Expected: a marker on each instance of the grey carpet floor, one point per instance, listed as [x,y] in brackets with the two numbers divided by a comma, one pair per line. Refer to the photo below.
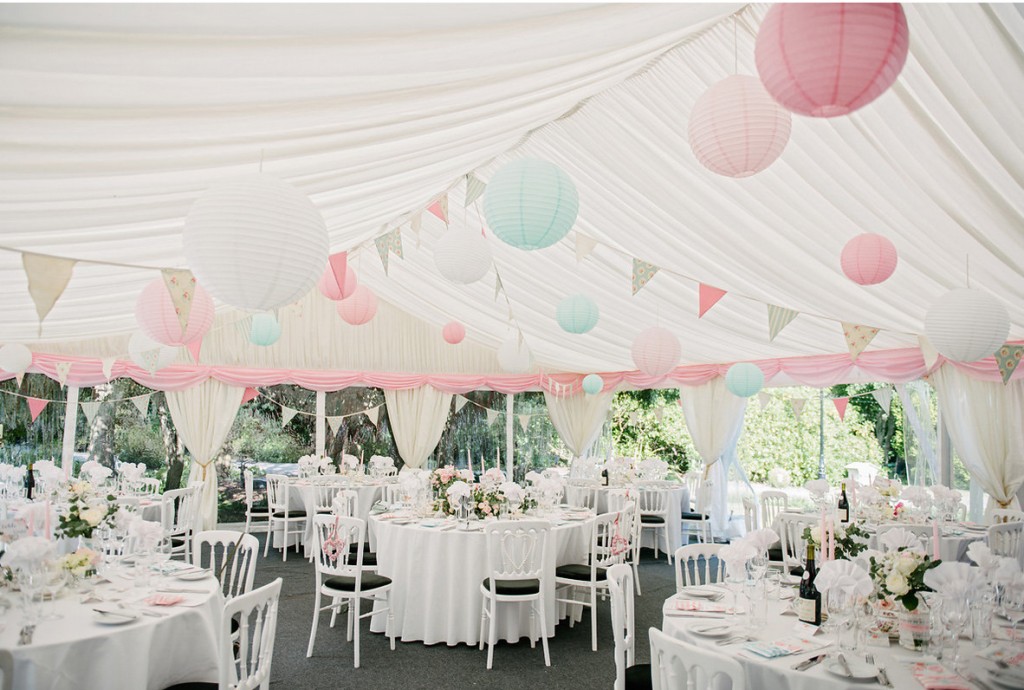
[414,665]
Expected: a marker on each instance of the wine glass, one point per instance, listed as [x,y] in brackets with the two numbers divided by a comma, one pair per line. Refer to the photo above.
[1012,605]
[954,615]
[30,582]
[52,581]
[735,578]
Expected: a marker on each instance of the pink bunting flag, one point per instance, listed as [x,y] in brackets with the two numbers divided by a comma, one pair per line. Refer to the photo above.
[36,406]
[709,297]
[249,394]
[194,347]
[841,404]
[440,208]
[339,266]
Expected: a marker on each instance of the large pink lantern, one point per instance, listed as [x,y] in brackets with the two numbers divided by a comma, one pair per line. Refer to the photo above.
[328,284]
[656,351]
[736,129]
[868,259]
[829,59]
[158,319]
[360,307]
[453,332]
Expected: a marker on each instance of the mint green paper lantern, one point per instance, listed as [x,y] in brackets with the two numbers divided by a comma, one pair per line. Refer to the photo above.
[592,384]
[577,314]
[265,330]
[744,379]
[531,203]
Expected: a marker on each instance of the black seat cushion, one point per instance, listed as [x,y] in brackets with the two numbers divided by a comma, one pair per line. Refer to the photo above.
[579,571]
[348,584]
[652,520]
[694,516]
[369,557]
[194,685]
[775,554]
[289,513]
[514,587]
[639,677]
[177,541]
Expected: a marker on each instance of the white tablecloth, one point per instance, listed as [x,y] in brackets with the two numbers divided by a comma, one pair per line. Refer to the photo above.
[300,497]
[678,498]
[437,575]
[77,652]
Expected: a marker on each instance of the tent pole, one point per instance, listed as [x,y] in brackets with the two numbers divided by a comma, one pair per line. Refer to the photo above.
[821,433]
[67,452]
[509,434]
[321,432]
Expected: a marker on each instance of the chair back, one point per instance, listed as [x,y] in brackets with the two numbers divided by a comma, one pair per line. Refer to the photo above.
[1007,539]
[702,504]
[323,493]
[653,501]
[230,556]
[620,587]
[149,486]
[693,565]
[580,495]
[676,664]
[791,536]
[392,494]
[611,539]
[250,497]
[692,481]
[516,550]
[346,503]
[277,493]
[1006,515]
[246,657]
[749,514]
[618,501]
[773,503]
[179,509]
[333,536]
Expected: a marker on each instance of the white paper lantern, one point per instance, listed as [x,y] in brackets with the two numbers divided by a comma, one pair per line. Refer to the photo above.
[158,319]
[15,358]
[256,243]
[513,357]
[462,256]
[360,308]
[656,351]
[966,325]
[148,353]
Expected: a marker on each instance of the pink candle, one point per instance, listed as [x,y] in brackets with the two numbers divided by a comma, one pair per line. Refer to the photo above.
[832,540]
[46,523]
[935,540]
[824,536]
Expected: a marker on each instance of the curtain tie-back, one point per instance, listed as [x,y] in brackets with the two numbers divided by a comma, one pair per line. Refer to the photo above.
[1004,504]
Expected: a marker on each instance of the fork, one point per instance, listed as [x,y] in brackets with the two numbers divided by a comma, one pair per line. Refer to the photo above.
[882,677]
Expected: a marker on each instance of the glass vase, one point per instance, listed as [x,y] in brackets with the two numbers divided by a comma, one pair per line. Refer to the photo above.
[914,627]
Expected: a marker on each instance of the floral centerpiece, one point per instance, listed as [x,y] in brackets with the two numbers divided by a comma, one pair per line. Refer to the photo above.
[312,465]
[80,563]
[441,480]
[899,576]
[380,465]
[851,540]
[87,510]
[779,477]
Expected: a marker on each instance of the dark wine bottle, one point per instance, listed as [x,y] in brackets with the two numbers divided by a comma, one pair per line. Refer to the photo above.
[30,482]
[604,477]
[844,505]
[809,609]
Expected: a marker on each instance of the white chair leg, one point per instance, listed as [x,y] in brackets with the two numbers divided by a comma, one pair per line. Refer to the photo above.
[389,629]
[593,618]
[533,616]
[270,535]
[355,643]
[483,620]
[316,621]
[492,633]
[543,630]
[352,606]
[636,578]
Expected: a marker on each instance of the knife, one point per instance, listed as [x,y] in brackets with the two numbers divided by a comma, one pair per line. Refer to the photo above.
[807,663]
[845,665]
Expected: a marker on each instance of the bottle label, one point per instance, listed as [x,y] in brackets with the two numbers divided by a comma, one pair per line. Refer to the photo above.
[844,515]
[806,610]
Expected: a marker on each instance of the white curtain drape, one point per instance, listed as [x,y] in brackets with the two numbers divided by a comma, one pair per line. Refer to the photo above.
[916,400]
[578,419]
[417,416]
[203,416]
[984,422]
[714,417]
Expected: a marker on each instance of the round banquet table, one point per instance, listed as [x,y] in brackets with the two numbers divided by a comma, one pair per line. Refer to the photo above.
[300,497]
[678,499]
[77,652]
[437,572]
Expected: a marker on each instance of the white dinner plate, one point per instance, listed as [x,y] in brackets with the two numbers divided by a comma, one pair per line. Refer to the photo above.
[115,618]
[859,670]
[191,575]
[1006,680]
[714,630]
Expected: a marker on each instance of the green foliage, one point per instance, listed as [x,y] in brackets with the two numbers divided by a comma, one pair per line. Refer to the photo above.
[888,427]
[138,440]
[258,436]
[637,431]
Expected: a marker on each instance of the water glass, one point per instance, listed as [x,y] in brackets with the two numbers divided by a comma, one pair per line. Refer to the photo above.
[981,623]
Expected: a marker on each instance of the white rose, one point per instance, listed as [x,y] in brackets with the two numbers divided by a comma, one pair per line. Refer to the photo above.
[816,535]
[93,516]
[905,565]
[897,584]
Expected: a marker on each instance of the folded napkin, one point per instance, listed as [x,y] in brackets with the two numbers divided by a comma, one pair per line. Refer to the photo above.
[458,491]
[982,556]
[845,577]
[705,606]
[1007,571]
[737,554]
[147,534]
[784,647]
[164,600]
[953,579]
[899,538]
[937,677]
[28,553]
[761,539]
[817,488]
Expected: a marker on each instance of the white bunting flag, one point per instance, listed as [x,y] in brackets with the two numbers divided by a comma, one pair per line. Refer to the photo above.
[373,414]
[63,369]
[474,188]
[798,406]
[498,287]
[524,421]
[19,377]
[659,412]
[108,366]
[584,246]
[141,403]
[335,423]
[287,414]
[763,398]
[492,415]
[47,278]
[460,402]
[884,398]
[90,409]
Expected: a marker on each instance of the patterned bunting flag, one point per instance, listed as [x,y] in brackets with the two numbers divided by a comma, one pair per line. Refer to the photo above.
[287,414]
[884,398]
[524,421]
[383,244]
[763,399]
[474,188]
[335,423]
[151,358]
[928,352]
[181,286]
[779,318]
[141,403]
[47,278]
[108,366]
[36,406]
[1008,357]
[90,409]
[194,347]
[373,414]
[857,338]
[460,402]
[841,404]
[395,242]
[659,412]
[642,274]
[440,208]
[249,394]
[584,246]
[63,369]
[492,415]
[709,297]
[798,406]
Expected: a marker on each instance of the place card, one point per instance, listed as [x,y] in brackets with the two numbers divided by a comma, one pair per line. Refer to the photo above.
[703,606]
[801,629]
[784,647]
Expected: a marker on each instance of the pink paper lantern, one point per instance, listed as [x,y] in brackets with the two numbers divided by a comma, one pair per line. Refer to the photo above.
[868,259]
[328,284]
[826,60]
[736,129]
[453,332]
[656,351]
[360,307]
[158,319]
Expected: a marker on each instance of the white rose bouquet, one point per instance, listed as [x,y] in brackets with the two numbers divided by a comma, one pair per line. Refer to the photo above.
[80,563]
[87,510]
[900,575]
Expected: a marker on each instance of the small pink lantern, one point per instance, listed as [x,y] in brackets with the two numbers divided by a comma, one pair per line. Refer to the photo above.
[453,332]
[868,259]
[360,307]
[736,129]
[158,319]
[829,59]
[656,351]
[328,284]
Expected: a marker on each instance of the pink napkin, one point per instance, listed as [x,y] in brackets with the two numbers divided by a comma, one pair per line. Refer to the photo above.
[165,600]
[936,677]
[688,605]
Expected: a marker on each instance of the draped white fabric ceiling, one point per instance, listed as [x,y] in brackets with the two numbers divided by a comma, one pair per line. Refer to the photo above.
[116,117]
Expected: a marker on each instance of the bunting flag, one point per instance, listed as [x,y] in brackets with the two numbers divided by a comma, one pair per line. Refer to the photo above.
[395,243]
[763,398]
[928,352]
[47,278]
[335,423]
[884,398]
[35,406]
[249,394]
[141,403]
[151,358]
[19,377]
[642,274]
[181,286]
[798,406]
[779,318]
[474,188]
[841,404]
[1008,357]
[440,208]
[498,287]
[492,415]
[659,412]
[524,421]
[373,414]
[857,338]
[584,246]
[383,244]
[287,414]
[194,347]
[709,297]
[108,366]
[63,369]
[460,402]
[338,263]
[90,409]
[634,417]
[416,223]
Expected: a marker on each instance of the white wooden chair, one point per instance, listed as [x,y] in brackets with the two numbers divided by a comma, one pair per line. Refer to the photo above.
[346,503]
[1006,515]
[291,521]
[654,517]
[692,480]
[179,510]
[791,536]
[516,573]
[1007,539]
[749,514]
[251,511]
[618,501]
[699,521]
[628,674]
[581,495]
[693,565]
[676,665]
[773,504]
[230,556]
[323,493]
[341,576]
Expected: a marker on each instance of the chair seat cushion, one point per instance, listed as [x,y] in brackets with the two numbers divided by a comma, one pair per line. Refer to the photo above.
[369,557]
[289,513]
[177,541]
[639,677]
[514,587]
[579,571]
[345,583]
[775,554]
[694,516]
[195,685]
[652,520]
